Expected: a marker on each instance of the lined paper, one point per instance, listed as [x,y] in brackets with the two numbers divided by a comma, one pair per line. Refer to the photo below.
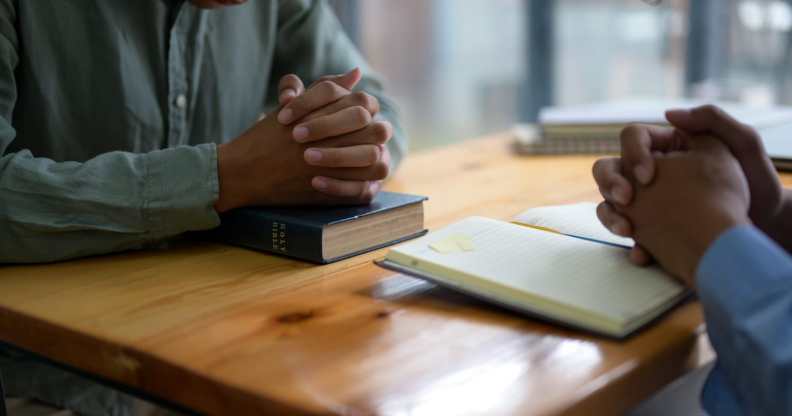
[574,219]
[582,274]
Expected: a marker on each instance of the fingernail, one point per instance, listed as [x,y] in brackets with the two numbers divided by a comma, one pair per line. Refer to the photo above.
[619,228]
[300,133]
[313,156]
[319,183]
[642,174]
[619,195]
[285,116]
[286,94]
[678,110]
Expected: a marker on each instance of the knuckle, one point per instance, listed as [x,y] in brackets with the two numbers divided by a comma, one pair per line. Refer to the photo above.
[602,212]
[606,172]
[330,158]
[361,115]
[380,170]
[335,188]
[288,79]
[327,88]
[710,111]
[367,101]
[596,169]
[607,215]
[372,155]
[603,191]
[367,195]
[601,173]
[359,97]
[381,131]
[752,143]
[299,105]
[630,133]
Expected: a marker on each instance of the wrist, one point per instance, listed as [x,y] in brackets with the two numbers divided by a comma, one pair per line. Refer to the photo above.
[778,224]
[229,197]
[713,227]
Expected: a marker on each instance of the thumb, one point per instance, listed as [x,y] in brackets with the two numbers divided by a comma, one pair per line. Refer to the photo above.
[346,81]
[709,145]
[350,79]
[741,139]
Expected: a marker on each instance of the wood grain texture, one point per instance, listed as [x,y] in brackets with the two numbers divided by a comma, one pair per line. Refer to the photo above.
[225,330]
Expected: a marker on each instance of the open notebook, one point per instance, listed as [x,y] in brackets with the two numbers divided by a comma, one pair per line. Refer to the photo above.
[584,281]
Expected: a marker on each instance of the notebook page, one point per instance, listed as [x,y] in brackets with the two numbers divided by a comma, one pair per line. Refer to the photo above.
[591,276]
[574,219]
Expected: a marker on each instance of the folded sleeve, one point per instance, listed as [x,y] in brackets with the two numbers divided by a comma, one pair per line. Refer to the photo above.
[745,286]
[116,201]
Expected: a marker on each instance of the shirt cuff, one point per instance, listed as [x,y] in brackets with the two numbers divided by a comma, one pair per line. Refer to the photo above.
[742,261]
[740,279]
[180,190]
[738,275]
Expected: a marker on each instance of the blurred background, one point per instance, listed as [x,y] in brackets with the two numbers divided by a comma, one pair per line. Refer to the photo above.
[463,68]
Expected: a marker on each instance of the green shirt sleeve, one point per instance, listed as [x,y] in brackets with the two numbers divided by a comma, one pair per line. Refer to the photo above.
[311,43]
[83,176]
[116,201]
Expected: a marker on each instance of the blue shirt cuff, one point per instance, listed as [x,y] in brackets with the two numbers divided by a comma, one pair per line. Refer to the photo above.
[742,281]
[740,261]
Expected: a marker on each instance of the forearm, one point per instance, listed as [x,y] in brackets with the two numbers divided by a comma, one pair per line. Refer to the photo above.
[117,201]
[745,286]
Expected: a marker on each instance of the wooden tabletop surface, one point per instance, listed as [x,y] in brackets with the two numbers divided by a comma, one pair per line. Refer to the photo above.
[224,330]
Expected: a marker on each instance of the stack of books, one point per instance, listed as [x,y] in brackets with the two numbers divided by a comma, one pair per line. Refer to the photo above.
[595,128]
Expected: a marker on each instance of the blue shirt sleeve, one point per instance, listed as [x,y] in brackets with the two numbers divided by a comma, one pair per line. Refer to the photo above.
[745,286]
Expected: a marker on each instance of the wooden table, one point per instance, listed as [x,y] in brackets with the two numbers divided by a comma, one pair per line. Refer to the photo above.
[224,330]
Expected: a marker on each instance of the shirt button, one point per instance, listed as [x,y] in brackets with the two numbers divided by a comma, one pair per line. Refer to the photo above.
[181,101]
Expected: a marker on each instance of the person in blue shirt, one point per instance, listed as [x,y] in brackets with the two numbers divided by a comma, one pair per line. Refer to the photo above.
[702,199]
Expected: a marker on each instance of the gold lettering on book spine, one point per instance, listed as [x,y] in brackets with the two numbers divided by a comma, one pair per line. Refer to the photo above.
[279,237]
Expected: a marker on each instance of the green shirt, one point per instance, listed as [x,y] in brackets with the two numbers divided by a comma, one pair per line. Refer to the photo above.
[110,112]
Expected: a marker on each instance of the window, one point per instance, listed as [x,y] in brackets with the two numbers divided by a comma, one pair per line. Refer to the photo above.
[455,68]
[464,68]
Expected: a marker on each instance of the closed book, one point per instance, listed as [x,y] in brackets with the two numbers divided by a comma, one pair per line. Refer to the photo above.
[595,128]
[321,234]
[556,263]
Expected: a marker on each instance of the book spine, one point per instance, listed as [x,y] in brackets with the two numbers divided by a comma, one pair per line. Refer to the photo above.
[271,234]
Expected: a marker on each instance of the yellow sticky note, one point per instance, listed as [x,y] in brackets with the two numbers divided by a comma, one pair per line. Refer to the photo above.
[453,244]
[444,246]
[465,244]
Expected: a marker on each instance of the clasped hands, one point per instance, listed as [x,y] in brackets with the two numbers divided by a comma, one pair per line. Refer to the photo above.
[676,189]
[325,145]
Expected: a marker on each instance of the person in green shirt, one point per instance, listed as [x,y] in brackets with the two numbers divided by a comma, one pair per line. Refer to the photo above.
[124,123]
